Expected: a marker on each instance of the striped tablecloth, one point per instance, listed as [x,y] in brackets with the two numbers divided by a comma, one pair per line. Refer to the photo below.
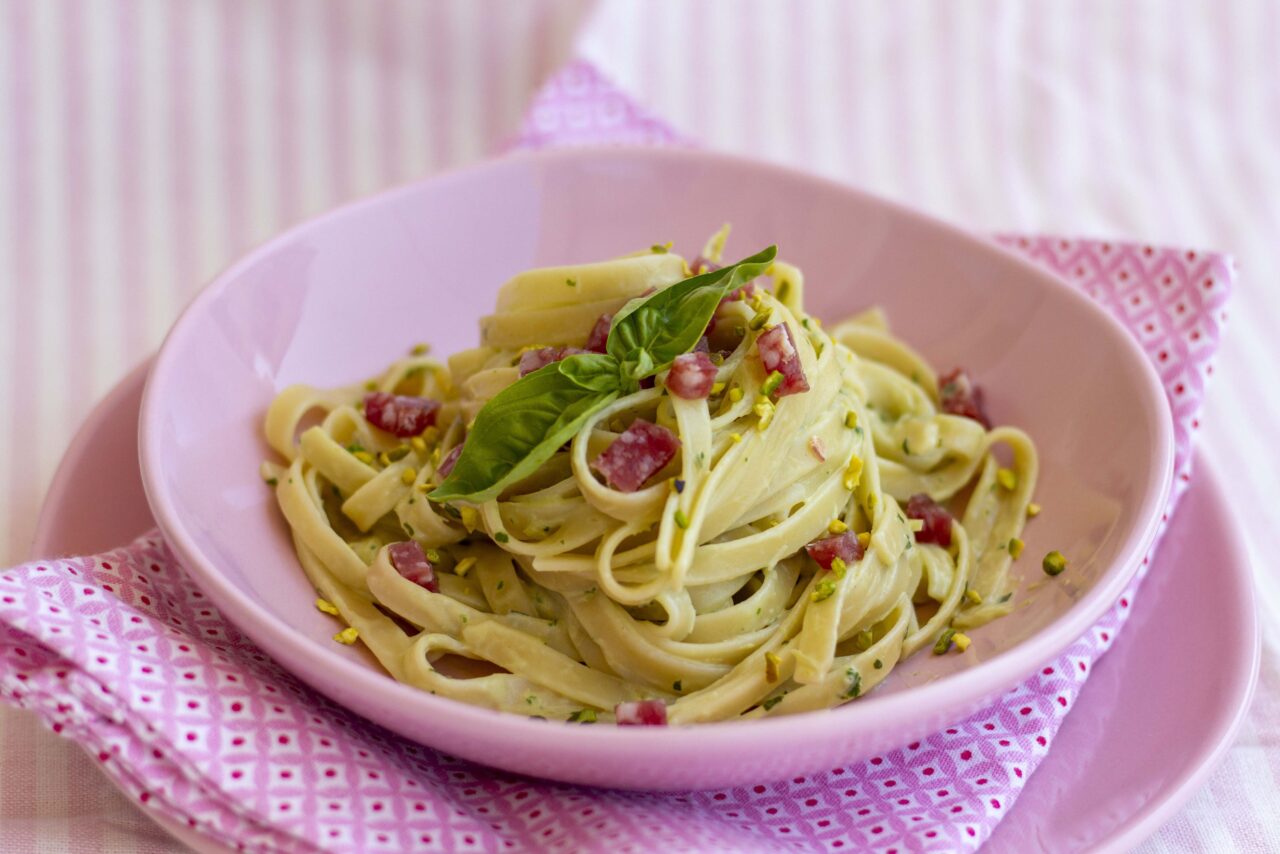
[145,144]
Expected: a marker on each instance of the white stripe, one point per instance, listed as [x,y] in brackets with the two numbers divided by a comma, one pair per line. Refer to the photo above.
[205,109]
[415,93]
[314,174]
[361,79]
[163,288]
[261,74]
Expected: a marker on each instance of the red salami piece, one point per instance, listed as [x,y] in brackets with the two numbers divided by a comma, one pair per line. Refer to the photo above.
[959,395]
[641,713]
[410,561]
[531,360]
[778,353]
[937,521]
[449,461]
[398,414]
[599,334]
[692,376]
[635,456]
[844,546]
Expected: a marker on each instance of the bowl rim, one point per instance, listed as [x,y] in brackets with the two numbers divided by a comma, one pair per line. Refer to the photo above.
[960,690]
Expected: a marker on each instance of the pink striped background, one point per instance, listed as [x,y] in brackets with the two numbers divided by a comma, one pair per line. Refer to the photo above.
[147,143]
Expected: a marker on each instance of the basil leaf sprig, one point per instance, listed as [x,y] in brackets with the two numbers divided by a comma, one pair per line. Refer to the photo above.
[523,425]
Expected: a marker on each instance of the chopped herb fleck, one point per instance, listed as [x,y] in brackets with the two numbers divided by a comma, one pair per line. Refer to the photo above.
[1005,598]
[677,685]
[877,664]
[501,537]
[855,684]
[501,584]
[371,385]
[583,716]
[573,283]
[678,484]
[905,449]
[420,349]
[271,481]
[660,248]
[771,702]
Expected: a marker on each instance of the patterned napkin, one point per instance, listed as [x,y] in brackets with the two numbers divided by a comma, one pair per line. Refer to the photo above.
[121,653]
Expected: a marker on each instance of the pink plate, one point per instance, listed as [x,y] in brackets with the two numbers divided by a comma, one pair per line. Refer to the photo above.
[1196,611]
[333,300]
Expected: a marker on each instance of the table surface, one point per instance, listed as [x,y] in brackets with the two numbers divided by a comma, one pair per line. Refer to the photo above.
[147,144]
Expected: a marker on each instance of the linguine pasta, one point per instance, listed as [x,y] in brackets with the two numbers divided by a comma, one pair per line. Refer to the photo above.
[789,554]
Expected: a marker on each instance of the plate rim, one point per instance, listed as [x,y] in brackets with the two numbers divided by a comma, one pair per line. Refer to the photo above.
[979,684]
[1133,830]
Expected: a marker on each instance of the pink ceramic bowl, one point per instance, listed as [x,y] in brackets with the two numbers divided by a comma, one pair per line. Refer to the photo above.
[335,299]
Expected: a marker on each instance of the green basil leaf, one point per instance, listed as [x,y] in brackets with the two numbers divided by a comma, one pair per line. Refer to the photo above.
[649,332]
[523,425]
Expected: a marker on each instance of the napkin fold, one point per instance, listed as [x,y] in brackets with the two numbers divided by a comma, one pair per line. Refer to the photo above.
[122,653]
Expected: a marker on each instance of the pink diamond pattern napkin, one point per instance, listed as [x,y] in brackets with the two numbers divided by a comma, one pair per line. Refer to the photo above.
[121,653]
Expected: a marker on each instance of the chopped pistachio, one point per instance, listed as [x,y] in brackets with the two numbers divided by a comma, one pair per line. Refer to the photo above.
[418,445]
[1054,563]
[371,385]
[327,607]
[944,642]
[660,248]
[408,476]
[681,519]
[364,457]
[823,589]
[764,409]
[583,716]
[1007,478]
[783,290]
[851,419]
[973,596]
[716,388]
[735,394]
[1015,548]
[464,566]
[772,383]
[864,639]
[1033,510]
[839,567]
[398,453]
[837,526]
[915,525]
[853,473]
[760,319]
[772,664]
[864,539]
[470,518]
[717,359]
[433,556]
[961,641]
[420,349]
[735,437]
[347,636]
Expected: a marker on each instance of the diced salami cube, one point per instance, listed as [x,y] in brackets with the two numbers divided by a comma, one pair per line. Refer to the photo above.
[400,415]
[701,265]
[412,564]
[636,455]
[449,461]
[641,713]
[937,521]
[692,376]
[778,353]
[959,395]
[532,360]
[844,546]
[599,334]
